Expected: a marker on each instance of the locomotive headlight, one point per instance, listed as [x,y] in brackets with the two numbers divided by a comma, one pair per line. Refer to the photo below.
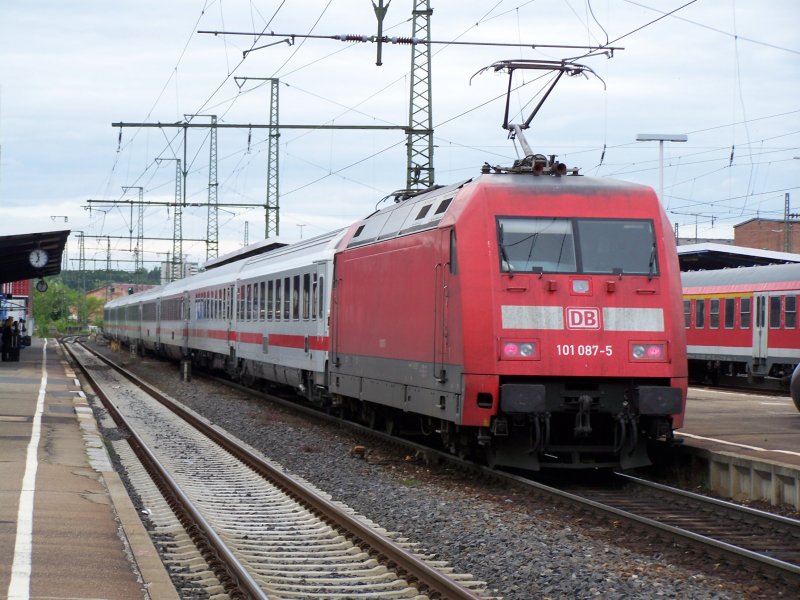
[649,351]
[510,350]
[519,350]
[580,286]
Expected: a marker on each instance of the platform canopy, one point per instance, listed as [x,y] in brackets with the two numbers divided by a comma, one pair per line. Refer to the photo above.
[16,250]
[695,257]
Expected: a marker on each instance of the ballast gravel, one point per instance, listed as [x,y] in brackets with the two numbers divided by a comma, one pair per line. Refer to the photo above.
[523,548]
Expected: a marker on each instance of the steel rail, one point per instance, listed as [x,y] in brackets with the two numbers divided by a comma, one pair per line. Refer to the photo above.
[783,568]
[429,580]
[746,510]
[233,572]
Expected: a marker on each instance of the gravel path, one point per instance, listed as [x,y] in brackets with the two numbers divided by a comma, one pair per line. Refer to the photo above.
[524,549]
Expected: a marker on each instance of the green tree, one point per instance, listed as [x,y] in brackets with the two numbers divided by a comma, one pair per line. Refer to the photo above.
[52,309]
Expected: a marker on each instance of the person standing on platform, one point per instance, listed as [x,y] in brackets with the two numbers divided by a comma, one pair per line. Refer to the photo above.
[7,334]
[14,354]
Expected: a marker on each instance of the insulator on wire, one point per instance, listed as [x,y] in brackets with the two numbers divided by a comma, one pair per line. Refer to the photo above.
[405,40]
[351,37]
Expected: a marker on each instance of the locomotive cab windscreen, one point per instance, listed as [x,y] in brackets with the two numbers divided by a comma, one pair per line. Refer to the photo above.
[590,246]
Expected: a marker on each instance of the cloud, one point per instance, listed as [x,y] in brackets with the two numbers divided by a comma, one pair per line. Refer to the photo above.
[68,71]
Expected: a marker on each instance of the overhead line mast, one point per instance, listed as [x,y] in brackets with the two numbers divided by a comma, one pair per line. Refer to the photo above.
[419,160]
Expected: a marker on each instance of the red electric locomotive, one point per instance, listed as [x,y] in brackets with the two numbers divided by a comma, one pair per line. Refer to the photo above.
[742,324]
[527,315]
[531,316]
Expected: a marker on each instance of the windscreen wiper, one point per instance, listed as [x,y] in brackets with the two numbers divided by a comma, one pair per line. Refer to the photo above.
[504,254]
[650,267]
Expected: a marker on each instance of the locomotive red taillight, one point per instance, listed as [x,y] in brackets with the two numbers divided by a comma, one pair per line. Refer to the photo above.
[519,350]
[649,351]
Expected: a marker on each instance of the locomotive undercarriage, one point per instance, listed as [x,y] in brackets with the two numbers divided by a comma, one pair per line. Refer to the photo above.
[575,423]
[548,424]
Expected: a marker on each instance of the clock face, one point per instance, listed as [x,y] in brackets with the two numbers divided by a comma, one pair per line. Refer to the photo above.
[38,258]
[41,286]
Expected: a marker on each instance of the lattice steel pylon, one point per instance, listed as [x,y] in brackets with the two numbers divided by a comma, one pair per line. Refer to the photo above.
[139,248]
[177,229]
[212,231]
[419,144]
[272,202]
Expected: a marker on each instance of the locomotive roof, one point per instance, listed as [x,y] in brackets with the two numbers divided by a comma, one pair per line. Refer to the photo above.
[426,210]
[742,275]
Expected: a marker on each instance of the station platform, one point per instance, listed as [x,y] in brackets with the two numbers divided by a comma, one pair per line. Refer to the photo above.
[751,443]
[67,526]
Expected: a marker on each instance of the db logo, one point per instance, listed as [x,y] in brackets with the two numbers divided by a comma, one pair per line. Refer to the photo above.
[583,318]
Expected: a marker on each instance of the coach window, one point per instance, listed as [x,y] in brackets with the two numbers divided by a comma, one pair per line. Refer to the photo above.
[687,313]
[791,312]
[254,300]
[774,312]
[745,310]
[713,313]
[296,297]
[700,313]
[730,312]
[314,297]
[270,297]
[287,298]
[262,302]
[321,290]
[248,306]
[306,292]
[277,299]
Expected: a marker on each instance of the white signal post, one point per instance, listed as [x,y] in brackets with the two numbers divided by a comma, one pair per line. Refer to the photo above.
[661,138]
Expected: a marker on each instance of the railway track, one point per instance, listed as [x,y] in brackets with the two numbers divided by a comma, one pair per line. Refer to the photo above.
[263,533]
[763,542]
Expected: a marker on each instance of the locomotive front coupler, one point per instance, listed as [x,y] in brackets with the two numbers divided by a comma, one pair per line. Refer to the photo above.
[583,425]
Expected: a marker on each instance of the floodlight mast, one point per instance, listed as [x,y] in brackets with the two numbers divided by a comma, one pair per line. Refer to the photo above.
[661,138]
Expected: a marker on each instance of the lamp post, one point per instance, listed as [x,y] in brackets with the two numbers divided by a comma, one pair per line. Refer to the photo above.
[661,138]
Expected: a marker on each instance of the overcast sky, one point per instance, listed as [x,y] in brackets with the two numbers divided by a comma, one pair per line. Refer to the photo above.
[724,72]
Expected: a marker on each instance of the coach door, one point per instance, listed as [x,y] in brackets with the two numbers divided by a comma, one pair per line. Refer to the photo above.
[185,313]
[760,329]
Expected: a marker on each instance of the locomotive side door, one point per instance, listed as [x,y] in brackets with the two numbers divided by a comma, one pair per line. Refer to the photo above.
[760,331]
[440,305]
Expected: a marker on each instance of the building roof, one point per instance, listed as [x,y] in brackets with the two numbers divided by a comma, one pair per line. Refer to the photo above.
[789,273]
[762,219]
[16,251]
[693,257]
